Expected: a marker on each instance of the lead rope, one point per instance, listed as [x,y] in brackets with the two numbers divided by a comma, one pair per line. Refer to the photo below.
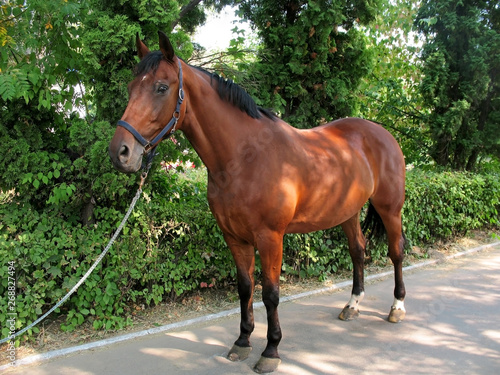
[98,260]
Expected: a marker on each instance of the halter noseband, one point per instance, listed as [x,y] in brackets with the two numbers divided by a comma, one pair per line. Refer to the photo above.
[170,127]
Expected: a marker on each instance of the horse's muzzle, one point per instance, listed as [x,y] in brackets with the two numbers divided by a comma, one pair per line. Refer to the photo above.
[126,155]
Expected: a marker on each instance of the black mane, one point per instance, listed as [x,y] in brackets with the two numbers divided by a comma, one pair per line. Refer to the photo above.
[234,94]
[150,62]
[226,88]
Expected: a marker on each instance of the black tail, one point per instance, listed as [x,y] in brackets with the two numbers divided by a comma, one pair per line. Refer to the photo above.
[373,227]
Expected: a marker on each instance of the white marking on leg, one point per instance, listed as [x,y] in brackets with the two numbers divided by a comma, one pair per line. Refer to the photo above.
[398,305]
[355,301]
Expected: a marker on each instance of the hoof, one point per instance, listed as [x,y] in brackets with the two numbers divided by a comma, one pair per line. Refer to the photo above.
[239,353]
[349,314]
[396,315]
[266,365]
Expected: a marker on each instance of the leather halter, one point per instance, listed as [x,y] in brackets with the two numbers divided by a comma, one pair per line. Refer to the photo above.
[169,128]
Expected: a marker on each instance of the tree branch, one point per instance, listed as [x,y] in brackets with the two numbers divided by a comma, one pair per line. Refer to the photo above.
[209,60]
[13,55]
[10,19]
[185,9]
[416,115]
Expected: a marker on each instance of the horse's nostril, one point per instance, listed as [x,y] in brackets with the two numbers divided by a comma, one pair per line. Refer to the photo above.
[124,153]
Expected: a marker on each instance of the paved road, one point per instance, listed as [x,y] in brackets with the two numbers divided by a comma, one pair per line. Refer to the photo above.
[452,327]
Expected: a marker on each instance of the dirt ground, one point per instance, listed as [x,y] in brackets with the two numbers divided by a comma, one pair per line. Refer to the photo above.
[209,301]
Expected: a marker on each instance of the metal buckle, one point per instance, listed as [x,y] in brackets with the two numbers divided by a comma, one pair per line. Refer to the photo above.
[175,118]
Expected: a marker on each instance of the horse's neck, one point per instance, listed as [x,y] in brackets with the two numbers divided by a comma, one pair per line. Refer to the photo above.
[217,130]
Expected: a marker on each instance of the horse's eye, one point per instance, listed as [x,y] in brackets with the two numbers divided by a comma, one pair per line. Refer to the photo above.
[162,89]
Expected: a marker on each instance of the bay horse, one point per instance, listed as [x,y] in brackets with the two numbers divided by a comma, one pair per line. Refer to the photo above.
[266,178]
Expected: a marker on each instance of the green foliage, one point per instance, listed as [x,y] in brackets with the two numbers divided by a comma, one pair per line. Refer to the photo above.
[168,247]
[32,68]
[441,205]
[312,57]
[109,56]
[390,94]
[317,254]
[59,57]
[461,81]
[64,198]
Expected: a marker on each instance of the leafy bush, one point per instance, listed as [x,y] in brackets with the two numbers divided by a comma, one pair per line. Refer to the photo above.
[172,245]
[167,248]
[440,205]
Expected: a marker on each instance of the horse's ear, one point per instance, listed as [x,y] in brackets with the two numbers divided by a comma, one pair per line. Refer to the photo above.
[142,50]
[166,47]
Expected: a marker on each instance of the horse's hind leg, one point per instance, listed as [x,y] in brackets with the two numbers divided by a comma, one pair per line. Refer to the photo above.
[391,217]
[357,244]
[396,253]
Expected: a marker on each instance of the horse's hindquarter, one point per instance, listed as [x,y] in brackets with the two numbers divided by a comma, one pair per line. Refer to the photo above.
[302,181]
[338,177]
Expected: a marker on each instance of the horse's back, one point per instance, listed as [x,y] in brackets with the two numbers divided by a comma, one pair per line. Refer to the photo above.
[353,128]
[379,148]
[369,138]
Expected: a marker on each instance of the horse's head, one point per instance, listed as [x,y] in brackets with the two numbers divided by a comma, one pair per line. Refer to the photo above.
[155,100]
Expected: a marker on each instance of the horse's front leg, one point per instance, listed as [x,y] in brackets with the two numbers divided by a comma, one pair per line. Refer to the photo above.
[244,257]
[271,252]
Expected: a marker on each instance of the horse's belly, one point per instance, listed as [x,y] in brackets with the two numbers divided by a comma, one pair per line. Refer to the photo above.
[327,211]
[304,224]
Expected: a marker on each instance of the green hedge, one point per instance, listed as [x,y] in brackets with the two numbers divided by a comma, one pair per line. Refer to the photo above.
[441,205]
[172,245]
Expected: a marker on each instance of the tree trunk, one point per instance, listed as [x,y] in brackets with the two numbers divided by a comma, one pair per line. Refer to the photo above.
[440,153]
[471,163]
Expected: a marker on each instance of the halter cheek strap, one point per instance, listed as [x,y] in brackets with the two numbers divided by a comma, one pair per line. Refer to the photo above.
[169,128]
